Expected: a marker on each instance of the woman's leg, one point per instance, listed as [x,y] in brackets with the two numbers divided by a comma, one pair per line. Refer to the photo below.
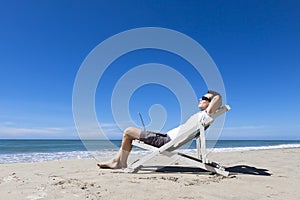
[120,160]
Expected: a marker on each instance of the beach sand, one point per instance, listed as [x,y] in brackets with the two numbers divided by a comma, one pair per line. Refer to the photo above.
[260,174]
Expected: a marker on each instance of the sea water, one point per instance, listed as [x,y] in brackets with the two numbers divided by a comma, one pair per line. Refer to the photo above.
[15,151]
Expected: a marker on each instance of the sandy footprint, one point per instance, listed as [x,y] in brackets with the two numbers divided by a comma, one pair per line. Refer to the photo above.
[74,187]
[11,177]
[37,196]
[40,194]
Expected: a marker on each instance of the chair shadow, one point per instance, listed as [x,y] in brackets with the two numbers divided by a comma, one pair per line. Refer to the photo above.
[173,169]
[244,169]
[234,170]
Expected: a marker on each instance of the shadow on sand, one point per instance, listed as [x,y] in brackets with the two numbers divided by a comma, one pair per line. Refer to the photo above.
[244,169]
[234,170]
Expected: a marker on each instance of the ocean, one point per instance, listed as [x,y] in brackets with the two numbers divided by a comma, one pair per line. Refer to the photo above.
[17,151]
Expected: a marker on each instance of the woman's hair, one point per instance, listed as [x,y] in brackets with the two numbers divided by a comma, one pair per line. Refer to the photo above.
[215,103]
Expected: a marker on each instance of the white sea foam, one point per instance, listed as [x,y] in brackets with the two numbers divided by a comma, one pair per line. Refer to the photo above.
[39,157]
[280,146]
[252,148]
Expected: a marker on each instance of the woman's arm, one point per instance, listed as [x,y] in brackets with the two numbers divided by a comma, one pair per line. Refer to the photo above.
[215,103]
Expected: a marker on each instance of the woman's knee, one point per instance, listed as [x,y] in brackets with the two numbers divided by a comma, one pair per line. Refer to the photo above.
[131,132]
[128,131]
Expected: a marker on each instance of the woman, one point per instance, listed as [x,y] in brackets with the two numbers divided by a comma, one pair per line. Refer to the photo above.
[208,104]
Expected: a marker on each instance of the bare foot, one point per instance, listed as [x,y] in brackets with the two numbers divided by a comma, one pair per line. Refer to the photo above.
[112,165]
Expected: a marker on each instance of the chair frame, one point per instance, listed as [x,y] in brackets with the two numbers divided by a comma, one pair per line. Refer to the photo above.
[169,149]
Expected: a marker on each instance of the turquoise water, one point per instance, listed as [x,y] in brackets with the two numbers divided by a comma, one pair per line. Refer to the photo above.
[12,151]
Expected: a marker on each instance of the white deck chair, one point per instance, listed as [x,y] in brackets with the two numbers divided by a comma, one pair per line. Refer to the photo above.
[188,132]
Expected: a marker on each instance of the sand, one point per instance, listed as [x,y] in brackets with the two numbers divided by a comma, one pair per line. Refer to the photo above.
[263,174]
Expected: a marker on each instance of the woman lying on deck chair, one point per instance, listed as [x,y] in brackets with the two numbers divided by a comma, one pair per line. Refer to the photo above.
[208,104]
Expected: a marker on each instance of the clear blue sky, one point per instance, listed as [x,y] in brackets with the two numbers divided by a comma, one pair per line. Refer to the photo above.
[255,45]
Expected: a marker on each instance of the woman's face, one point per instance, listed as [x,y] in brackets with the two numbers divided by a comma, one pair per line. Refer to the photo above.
[204,101]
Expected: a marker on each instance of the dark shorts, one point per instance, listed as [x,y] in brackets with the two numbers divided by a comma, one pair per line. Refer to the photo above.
[154,139]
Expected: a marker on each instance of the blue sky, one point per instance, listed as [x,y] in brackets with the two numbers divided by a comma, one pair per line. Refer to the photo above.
[254,44]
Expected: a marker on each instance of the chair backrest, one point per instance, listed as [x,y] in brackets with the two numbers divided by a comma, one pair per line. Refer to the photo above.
[190,130]
[220,111]
[213,116]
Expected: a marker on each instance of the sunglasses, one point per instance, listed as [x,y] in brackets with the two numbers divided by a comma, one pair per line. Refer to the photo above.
[205,98]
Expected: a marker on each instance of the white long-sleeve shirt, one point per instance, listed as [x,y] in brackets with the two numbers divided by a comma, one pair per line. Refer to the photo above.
[191,125]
